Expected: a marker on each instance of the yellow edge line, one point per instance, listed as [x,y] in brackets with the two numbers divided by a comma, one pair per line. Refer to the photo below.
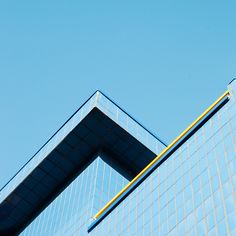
[161,154]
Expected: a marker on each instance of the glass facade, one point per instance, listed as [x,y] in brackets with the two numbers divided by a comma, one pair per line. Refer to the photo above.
[71,211]
[97,126]
[192,192]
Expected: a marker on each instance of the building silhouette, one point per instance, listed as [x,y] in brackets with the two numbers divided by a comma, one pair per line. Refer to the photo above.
[103,173]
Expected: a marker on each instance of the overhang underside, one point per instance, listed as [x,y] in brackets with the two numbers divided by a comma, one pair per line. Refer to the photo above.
[95,133]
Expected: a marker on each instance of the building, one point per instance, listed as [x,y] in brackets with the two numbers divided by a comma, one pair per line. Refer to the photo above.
[103,173]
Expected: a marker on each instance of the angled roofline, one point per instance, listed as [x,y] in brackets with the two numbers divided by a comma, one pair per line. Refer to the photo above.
[69,120]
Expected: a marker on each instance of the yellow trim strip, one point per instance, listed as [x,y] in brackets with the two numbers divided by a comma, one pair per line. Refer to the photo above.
[160,155]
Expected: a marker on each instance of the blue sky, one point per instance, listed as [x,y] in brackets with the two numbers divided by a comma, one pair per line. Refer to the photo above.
[162,61]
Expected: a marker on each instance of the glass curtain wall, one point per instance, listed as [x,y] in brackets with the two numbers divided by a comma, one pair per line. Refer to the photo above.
[70,213]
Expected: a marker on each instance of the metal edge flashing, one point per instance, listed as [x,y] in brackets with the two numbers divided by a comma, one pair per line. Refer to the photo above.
[176,143]
[154,135]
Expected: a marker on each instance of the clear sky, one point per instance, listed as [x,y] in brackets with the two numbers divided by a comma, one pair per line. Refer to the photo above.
[162,61]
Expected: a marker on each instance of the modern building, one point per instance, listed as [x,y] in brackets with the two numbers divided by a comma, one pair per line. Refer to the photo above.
[103,173]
